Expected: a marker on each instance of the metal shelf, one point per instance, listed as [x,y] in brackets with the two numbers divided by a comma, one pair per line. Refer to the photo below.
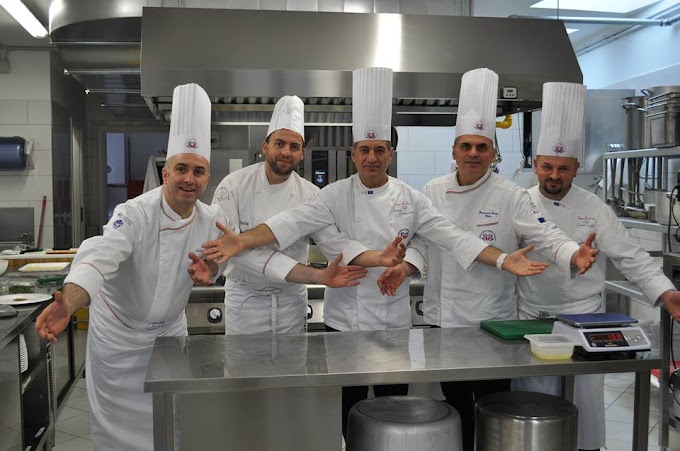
[646,225]
[642,153]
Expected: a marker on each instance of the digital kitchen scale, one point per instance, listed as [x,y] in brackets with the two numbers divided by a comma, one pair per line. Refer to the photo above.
[600,333]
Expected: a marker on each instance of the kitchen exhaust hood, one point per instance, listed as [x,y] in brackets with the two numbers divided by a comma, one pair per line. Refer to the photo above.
[247,59]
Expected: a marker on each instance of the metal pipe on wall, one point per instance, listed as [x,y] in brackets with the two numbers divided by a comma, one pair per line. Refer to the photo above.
[600,20]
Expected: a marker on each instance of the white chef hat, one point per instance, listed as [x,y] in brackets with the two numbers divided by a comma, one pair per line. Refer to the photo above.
[372,103]
[190,122]
[477,104]
[289,113]
[562,118]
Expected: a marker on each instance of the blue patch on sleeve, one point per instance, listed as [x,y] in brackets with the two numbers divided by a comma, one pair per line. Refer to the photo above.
[541,220]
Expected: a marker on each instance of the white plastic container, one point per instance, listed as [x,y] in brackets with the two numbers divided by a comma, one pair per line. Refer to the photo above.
[551,346]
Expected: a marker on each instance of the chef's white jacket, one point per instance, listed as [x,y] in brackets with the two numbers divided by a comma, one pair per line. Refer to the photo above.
[578,214]
[501,213]
[255,304]
[136,277]
[373,218]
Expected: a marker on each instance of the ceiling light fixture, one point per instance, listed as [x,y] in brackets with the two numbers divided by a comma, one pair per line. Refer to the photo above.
[25,17]
[602,6]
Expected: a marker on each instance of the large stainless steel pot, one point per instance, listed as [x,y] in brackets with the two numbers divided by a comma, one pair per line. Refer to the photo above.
[525,421]
[659,94]
[664,127]
[663,116]
[635,128]
[663,208]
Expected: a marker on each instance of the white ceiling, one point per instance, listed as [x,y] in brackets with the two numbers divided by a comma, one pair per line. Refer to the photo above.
[12,34]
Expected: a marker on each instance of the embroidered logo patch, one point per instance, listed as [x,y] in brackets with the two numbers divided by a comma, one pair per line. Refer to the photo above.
[487,236]
[192,144]
[479,125]
[371,134]
[559,148]
[117,224]
[404,233]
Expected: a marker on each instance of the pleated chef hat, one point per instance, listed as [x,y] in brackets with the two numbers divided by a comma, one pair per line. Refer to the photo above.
[190,122]
[477,105]
[289,113]
[372,103]
[562,118]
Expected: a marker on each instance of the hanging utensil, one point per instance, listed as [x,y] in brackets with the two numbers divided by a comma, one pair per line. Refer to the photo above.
[42,222]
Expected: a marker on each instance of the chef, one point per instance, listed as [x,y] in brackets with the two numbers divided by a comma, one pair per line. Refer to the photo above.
[500,213]
[579,213]
[249,197]
[136,278]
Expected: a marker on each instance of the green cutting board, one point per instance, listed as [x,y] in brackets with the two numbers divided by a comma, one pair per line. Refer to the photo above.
[516,329]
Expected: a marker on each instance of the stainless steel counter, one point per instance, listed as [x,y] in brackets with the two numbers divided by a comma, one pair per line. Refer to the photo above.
[224,374]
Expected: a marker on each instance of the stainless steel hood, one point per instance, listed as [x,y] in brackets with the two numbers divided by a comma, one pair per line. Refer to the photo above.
[247,59]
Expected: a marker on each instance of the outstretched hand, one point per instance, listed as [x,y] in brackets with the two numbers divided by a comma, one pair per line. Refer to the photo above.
[671,300]
[518,264]
[199,270]
[223,248]
[585,257]
[54,319]
[337,276]
[392,278]
[394,253]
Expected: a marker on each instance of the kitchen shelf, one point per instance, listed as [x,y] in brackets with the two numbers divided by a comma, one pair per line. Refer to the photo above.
[625,288]
[630,223]
[643,153]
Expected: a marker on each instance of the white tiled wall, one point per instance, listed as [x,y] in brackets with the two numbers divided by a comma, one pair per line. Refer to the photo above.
[25,110]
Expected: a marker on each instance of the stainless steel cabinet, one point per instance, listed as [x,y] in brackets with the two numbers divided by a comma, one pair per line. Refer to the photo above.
[26,399]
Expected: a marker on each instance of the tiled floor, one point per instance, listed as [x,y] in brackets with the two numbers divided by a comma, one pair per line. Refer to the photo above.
[73,424]
[618,398]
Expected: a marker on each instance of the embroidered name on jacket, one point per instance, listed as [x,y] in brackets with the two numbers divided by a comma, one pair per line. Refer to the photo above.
[586,221]
[403,208]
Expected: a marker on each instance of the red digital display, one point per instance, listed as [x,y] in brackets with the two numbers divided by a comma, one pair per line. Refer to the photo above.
[613,336]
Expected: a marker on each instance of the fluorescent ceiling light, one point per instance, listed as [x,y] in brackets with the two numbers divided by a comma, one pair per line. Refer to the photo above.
[572,30]
[25,18]
[603,6]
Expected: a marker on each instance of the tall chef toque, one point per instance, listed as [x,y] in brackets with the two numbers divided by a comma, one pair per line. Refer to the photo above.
[372,103]
[562,119]
[289,113]
[190,122]
[477,105]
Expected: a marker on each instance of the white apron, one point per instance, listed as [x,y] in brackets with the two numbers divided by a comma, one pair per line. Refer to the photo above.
[116,365]
[275,308]
[253,303]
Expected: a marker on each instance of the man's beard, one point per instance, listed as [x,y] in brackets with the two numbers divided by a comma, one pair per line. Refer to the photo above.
[557,189]
[277,170]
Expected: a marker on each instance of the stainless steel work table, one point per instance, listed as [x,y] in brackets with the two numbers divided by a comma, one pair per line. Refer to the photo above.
[283,391]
